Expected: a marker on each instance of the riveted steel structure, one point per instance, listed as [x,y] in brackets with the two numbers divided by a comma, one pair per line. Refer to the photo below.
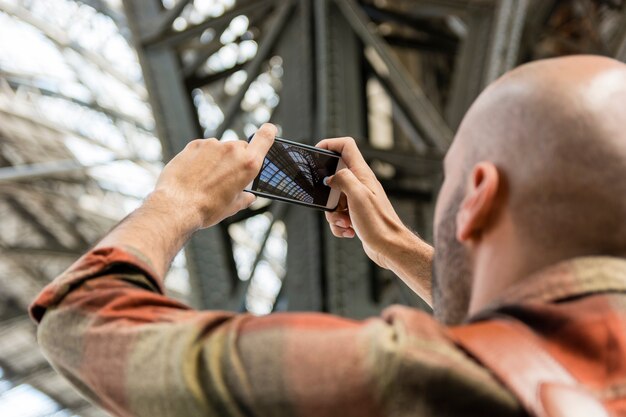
[400,73]
[395,74]
[336,55]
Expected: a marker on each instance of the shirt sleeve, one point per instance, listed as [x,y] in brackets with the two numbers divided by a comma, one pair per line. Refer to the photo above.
[107,327]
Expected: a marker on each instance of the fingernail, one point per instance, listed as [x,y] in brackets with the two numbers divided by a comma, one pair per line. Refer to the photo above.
[340,223]
[326,180]
[347,234]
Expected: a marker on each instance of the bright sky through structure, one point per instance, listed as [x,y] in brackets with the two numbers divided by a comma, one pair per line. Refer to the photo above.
[81,74]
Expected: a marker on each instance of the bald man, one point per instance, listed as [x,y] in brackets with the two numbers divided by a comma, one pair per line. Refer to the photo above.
[529,228]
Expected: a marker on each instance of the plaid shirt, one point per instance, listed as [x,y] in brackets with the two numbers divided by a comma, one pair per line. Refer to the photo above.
[107,327]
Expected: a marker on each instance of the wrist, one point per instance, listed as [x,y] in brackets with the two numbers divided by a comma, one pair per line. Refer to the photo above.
[178,216]
[406,248]
[411,260]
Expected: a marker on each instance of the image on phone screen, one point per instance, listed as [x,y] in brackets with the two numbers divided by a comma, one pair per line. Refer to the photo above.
[296,173]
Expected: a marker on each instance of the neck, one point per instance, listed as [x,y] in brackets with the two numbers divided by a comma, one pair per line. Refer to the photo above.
[499,261]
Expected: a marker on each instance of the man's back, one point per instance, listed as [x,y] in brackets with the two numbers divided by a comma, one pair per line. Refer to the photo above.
[404,364]
[577,315]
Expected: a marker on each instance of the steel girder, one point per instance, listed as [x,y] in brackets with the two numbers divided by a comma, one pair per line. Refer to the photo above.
[176,125]
[330,49]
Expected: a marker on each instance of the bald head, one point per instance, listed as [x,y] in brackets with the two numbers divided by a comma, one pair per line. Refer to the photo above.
[555,133]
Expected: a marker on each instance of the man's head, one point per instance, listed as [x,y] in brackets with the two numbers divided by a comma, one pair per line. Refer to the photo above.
[536,174]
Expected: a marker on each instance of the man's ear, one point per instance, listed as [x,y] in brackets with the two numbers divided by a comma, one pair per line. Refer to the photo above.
[479,205]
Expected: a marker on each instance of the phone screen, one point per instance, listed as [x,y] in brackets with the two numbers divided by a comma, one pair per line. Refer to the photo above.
[296,173]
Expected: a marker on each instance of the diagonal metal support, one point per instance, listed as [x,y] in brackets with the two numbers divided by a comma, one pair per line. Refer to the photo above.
[161,24]
[489,50]
[253,68]
[620,50]
[44,169]
[278,211]
[255,14]
[215,23]
[35,84]
[407,93]
[60,38]
[103,8]
[509,19]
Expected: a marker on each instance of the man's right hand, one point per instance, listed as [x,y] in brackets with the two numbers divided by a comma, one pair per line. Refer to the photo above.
[365,211]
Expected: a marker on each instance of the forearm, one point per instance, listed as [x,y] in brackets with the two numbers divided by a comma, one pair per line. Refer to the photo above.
[127,347]
[157,230]
[136,352]
[410,258]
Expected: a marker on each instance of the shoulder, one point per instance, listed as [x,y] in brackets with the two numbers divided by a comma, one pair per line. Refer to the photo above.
[419,366]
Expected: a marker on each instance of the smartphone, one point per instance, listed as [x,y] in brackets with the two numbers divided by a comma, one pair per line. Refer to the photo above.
[295,173]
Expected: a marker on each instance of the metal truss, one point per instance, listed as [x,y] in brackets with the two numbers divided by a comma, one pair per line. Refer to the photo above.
[33,248]
[396,75]
[331,53]
[63,41]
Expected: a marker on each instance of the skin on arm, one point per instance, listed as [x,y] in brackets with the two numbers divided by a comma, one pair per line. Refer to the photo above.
[195,190]
[365,211]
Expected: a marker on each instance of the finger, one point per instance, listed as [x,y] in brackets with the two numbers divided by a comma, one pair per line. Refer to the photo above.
[336,231]
[342,206]
[338,219]
[348,149]
[342,232]
[245,200]
[346,182]
[262,140]
[248,199]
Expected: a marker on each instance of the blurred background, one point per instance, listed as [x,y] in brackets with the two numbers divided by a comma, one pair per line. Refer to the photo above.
[96,94]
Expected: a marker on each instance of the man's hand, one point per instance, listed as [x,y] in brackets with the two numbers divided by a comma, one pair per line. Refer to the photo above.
[365,211]
[200,187]
[206,180]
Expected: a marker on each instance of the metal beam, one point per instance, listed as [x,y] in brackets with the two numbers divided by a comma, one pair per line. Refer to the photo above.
[60,38]
[32,84]
[267,44]
[33,119]
[304,284]
[216,23]
[18,378]
[103,8]
[44,170]
[176,120]
[620,50]
[278,211]
[58,252]
[158,25]
[443,8]
[535,24]
[414,164]
[509,19]
[407,93]
[489,50]
[255,15]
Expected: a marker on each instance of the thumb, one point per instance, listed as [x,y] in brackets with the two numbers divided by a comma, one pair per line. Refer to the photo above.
[246,199]
[347,183]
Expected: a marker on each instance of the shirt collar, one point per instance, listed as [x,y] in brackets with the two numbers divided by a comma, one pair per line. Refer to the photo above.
[567,279]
